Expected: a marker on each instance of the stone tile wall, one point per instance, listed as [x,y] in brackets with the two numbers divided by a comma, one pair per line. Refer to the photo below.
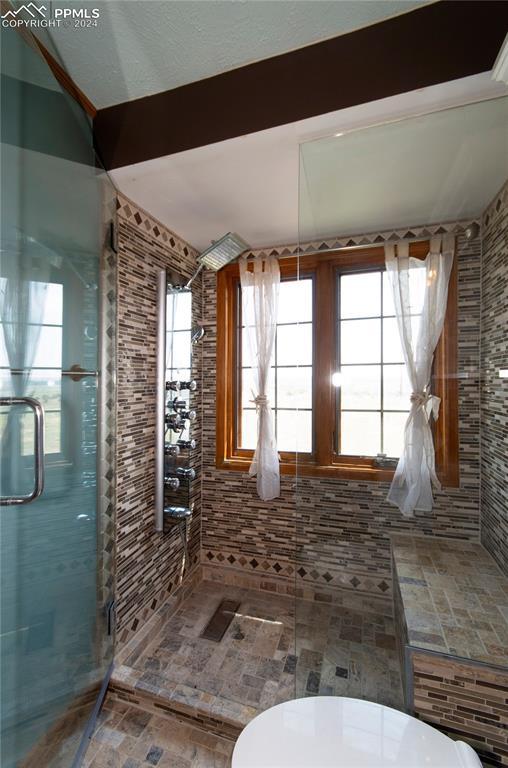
[325,533]
[494,402]
[467,702]
[149,564]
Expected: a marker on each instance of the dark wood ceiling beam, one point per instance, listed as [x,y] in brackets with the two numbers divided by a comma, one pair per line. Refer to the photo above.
[437,43]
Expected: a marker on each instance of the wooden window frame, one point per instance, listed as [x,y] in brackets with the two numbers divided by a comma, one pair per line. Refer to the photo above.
[324,462]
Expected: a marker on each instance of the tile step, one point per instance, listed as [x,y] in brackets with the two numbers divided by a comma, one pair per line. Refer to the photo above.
[215,714]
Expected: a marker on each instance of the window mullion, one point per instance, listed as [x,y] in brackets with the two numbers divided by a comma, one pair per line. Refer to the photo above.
[324,336]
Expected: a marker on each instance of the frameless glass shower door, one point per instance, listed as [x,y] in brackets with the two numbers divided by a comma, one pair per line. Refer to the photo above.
[54,416]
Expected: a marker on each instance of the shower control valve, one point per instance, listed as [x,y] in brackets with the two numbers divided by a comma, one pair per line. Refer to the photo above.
[189,444]
[172,482]
[174,421]
[173,385]
[177,404]
[188,415]
[190,385]
[186,473]
[171,450]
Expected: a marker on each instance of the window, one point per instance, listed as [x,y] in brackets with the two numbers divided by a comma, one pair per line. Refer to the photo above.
[178,346]
[290,386]
[372,386]
[44,382]
[338,388]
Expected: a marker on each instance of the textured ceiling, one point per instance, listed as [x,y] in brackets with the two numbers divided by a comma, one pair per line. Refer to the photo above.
[142,47]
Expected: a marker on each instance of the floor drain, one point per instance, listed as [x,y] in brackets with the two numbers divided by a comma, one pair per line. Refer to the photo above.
[220,621]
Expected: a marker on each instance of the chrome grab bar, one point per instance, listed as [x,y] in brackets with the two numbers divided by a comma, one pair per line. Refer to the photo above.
[38,411]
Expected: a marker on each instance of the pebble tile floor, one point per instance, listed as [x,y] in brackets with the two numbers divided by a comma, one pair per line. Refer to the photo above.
[272,651]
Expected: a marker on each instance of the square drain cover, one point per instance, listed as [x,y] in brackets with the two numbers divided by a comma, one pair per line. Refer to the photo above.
[220,621]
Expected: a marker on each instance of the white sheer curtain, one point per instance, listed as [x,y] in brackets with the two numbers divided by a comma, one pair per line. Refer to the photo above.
[260,299]
[22,305]
[420,292]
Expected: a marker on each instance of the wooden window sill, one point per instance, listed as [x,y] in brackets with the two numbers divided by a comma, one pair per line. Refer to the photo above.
[308,469]
[367,474]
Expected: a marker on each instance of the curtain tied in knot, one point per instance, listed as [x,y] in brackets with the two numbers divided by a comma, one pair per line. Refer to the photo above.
[260,401]
[428,402]
[260,298]
[420,293]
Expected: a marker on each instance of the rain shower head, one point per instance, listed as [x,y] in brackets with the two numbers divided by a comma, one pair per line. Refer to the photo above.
[220,253]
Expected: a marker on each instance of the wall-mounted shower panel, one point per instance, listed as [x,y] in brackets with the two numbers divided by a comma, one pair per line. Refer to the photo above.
[175,416]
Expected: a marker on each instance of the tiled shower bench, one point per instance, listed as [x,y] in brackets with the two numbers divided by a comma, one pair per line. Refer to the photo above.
[451,613]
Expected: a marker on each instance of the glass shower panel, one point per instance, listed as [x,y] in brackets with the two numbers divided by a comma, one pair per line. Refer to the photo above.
[55,308]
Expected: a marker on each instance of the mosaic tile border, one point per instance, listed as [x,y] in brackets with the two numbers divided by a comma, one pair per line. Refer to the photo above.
[133,213]
[268,570]
[307,593]
[374,238]
[107,409]
[495,210]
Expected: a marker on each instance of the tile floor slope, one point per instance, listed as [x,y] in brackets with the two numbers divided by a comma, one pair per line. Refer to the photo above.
[346,649]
